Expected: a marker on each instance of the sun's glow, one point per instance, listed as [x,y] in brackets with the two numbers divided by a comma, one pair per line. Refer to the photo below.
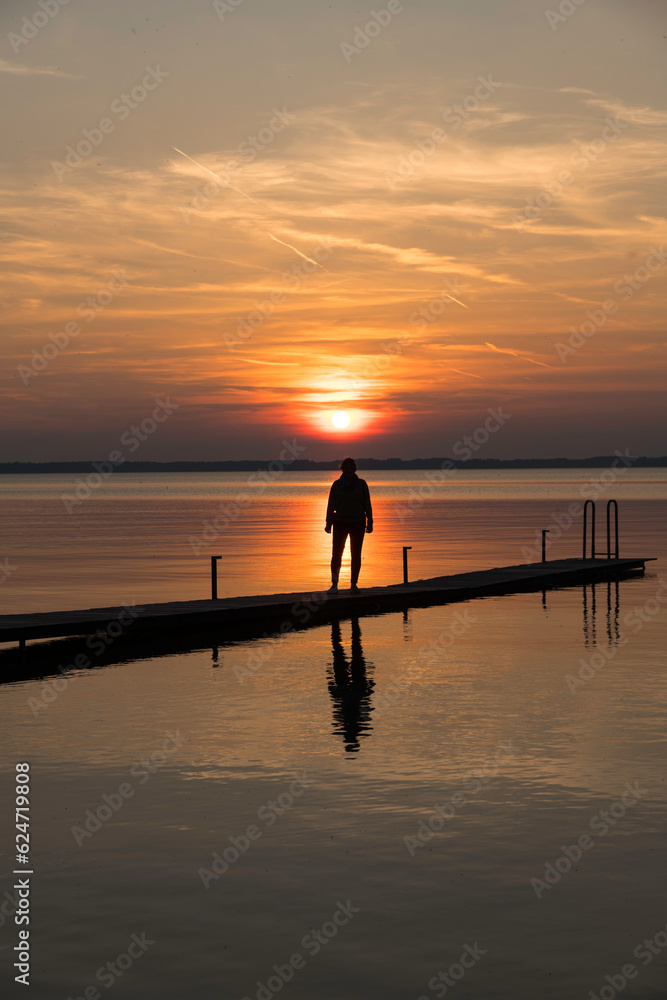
[340,419]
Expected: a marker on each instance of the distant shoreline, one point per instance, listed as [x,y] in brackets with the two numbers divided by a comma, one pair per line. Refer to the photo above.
[304,465]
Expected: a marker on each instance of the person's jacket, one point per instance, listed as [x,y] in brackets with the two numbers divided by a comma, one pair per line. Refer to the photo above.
[349,500]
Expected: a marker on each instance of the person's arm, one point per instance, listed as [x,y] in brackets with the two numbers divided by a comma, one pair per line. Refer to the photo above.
[330,507]
[368,508]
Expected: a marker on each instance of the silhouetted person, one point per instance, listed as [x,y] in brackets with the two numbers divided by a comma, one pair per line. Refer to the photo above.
[349,512]
[350,688]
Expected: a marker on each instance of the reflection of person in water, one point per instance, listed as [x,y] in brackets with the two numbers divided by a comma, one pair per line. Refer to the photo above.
[350,688]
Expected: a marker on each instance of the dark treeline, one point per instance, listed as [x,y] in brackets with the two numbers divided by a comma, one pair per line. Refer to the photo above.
[305,465]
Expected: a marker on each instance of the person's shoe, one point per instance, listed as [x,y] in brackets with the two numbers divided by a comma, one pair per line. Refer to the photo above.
[354,589]
[333,589]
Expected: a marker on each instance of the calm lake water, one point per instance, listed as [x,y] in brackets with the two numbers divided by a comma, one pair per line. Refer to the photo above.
[348,813]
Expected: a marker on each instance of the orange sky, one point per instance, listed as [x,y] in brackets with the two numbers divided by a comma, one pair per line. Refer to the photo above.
[352,195]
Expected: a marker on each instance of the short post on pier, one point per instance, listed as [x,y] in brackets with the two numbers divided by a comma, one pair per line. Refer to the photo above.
[545,532]
[405,562]
[214,577]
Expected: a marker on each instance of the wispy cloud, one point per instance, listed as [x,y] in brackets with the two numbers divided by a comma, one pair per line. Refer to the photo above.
[19,68]
[629,112]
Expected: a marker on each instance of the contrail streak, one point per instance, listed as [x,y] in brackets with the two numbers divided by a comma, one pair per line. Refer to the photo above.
[182,253]
[515,354]
[459,372]
[282,364]
[455,300]
[289,245]
[211,172]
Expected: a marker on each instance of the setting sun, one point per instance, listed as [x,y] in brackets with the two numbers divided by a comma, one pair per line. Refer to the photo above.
[340,420]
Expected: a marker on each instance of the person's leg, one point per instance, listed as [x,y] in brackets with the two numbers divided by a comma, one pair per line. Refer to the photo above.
[356,541]
[339,536]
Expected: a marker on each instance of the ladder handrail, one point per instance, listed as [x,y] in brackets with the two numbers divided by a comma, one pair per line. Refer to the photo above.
[609,509]
[592,503]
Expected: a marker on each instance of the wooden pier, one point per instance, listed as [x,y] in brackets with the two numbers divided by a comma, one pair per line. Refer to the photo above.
[236,617]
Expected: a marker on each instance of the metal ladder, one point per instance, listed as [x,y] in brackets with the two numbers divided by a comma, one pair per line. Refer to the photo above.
[611,505]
